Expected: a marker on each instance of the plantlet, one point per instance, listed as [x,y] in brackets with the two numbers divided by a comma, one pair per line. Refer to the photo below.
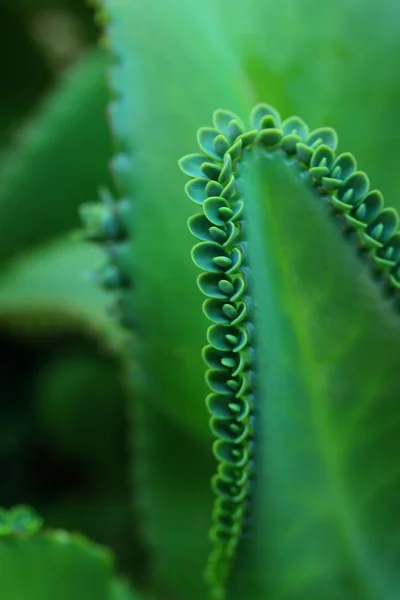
[255,314]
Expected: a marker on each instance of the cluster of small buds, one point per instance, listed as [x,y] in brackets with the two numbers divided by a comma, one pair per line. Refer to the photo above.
[107,223]
[20,521]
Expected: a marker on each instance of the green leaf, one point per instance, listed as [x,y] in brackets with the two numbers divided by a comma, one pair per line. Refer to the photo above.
[57,161]
[51,287]
[302,350]
[319,61]
[120,590]
[77,396]
[324,512]
[172,474]
[43,565]
[72,395]
[162,93]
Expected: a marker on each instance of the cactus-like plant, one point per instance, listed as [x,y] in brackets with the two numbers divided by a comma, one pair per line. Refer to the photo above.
[262,349]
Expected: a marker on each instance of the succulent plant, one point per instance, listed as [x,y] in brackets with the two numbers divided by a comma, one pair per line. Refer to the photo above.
[254,323]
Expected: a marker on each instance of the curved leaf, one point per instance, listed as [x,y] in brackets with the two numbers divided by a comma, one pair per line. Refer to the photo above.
[51,286]
[57,161]
[304,359]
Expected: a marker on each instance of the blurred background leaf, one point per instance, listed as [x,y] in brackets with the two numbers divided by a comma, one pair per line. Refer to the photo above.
[62,383]
[41,564]
[57,161]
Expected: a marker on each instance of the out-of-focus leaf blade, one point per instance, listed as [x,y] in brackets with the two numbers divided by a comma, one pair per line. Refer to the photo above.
[51,284]
[330,63]
[41,565]
[59,160]
[122,591]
